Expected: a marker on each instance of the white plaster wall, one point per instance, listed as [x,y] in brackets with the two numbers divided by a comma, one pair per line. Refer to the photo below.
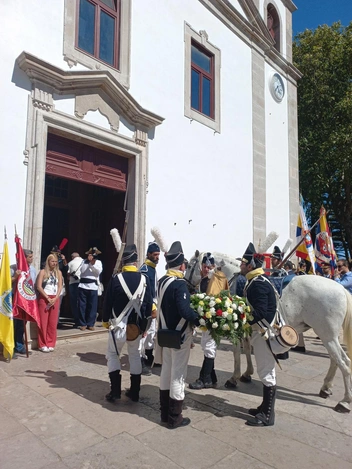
[35,27]
[194,174]
[277,177]
[281,9]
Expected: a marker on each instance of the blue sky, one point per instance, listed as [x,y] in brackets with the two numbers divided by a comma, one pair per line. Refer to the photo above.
[312,13]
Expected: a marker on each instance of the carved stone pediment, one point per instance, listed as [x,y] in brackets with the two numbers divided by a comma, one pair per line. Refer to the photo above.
[93,90]
[94,102]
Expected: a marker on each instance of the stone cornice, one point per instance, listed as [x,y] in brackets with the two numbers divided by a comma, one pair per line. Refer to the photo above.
[290,5]
[64,82]
[254,32]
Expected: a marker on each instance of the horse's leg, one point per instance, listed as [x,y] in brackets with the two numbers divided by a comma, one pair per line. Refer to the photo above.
[232,382]
[246,377]
[338,355]
[326,390]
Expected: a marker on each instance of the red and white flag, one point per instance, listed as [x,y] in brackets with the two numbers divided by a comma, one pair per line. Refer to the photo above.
[25,299]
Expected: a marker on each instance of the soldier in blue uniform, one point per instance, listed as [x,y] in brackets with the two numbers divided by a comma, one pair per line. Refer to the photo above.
[174,313]
[276,258]
[261,297]
[207,376]
[147,342]
[121,290]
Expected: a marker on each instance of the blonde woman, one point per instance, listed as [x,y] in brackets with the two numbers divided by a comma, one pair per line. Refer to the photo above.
[49,286]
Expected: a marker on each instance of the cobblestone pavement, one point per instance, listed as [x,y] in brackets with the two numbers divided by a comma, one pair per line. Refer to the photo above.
[53,415]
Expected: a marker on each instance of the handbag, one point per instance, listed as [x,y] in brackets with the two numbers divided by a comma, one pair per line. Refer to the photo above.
[169,338]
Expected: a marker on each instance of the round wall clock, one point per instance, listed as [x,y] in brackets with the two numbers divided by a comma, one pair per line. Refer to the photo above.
[277,87]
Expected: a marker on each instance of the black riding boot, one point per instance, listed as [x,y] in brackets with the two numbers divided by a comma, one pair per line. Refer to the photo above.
[175,417]
[146,371]
[257,410]
[164,405]
[206,374]
[266,416]
[133,392]
[115,386]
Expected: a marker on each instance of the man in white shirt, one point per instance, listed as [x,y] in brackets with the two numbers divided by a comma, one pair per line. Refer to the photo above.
[74,275]
[88,290]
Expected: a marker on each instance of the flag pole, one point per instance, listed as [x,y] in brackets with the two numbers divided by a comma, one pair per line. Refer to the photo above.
[300,242]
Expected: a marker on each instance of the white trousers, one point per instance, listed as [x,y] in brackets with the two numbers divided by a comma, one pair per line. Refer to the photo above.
[264,359]
[133,355]
[208,345]
[174,368]
[147,342]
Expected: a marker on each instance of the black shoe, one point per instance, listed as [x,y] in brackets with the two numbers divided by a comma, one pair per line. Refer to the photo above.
[258,423]
[112,397]
[197,385]
[131,395]
[185,421]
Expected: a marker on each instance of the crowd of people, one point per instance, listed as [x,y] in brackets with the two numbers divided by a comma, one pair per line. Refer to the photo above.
[156,321]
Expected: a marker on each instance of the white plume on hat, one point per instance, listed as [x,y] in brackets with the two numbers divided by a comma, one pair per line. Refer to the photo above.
[287,246]
[268,241]
[155,231]
[116,238]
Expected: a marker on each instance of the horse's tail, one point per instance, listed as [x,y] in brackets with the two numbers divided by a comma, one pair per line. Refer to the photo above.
[347,325]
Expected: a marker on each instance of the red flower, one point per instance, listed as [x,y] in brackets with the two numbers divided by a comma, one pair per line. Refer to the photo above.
[242,315]
[219,312]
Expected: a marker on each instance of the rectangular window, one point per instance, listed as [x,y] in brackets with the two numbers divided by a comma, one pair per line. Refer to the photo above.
[98,29]
[202,80]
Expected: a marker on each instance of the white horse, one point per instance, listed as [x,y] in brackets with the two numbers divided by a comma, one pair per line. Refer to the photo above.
[315,302]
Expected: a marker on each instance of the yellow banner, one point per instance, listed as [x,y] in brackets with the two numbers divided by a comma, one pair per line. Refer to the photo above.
[6,318]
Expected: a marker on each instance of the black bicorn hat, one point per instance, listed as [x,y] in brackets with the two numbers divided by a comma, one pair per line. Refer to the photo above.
[153,247]
[252,257]
[130,254]
[55,249]
[277,254]
[94,251]
[175,256]
[208,259]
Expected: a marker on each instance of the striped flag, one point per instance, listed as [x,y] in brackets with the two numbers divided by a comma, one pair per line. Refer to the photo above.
[6,318]
[305,250]
[324,246]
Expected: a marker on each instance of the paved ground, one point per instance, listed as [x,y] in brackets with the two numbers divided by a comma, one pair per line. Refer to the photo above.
[53,415]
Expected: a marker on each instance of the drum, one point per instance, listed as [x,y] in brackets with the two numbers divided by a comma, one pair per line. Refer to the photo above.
[289,336]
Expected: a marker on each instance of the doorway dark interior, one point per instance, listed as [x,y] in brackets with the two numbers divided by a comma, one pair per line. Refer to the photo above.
[84,214]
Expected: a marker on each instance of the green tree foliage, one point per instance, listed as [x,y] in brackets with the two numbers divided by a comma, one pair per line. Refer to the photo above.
[324,56]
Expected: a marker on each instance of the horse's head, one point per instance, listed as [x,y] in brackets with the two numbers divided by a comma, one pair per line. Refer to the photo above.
[227,264]
[193,271]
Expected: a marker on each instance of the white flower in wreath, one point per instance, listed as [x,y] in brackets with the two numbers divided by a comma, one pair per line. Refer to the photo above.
[227,303]
[240,309]
[215,325]
[244,320]
[225,314]
[212,311]
[211,303]
[201,296]
[207,298]
[200,310]
[236,325]
[234,306]
[234,317]
[202,322]
[225,327]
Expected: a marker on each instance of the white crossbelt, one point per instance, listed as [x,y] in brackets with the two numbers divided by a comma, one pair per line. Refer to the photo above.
[134,302]
[160,311]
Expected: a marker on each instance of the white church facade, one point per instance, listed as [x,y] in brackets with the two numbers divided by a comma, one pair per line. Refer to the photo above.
[182,114]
